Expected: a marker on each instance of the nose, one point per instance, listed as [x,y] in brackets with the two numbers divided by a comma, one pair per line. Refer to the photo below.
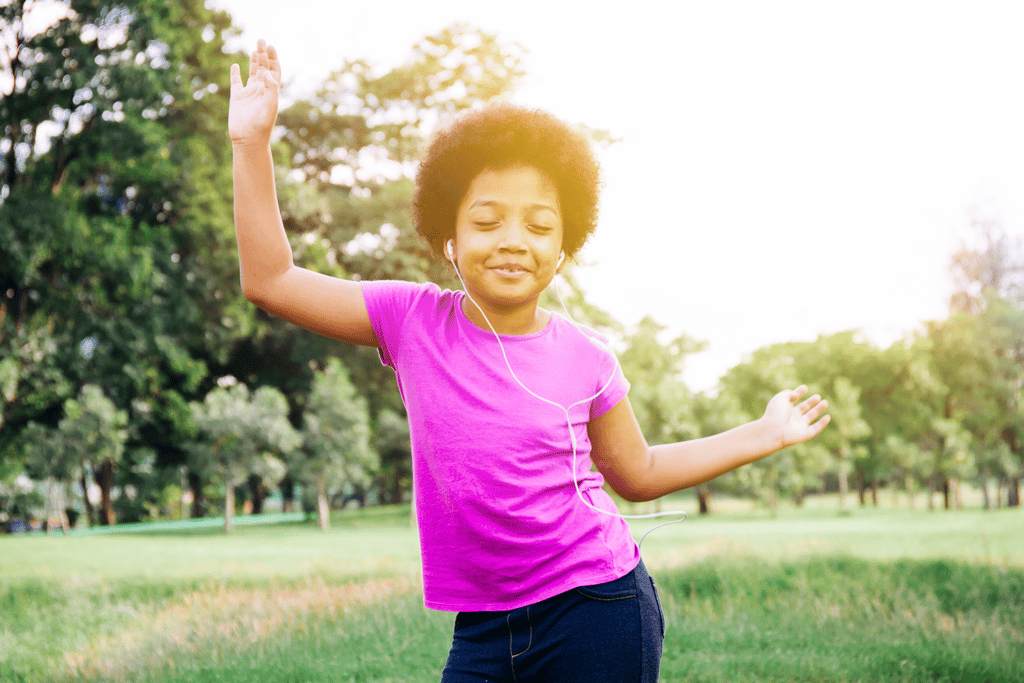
[513,237]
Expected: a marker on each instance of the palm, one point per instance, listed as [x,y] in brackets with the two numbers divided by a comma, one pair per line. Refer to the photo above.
[796,422]
[253,107]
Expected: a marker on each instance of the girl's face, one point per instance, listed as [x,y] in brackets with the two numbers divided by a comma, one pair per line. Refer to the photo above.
[508,237]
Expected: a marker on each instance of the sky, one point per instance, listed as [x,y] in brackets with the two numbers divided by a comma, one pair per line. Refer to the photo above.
[785,169]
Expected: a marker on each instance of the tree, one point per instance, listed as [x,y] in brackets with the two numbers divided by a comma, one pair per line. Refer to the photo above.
[979,359]
[847,427]
[336,435]
[391,441]
[241,433]
[92,437]
[988,272]
[115,211]
[660,398]
[989,262]
[746,389]
[47,459]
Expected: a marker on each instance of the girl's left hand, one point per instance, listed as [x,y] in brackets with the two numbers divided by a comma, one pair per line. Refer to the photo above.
[796,423]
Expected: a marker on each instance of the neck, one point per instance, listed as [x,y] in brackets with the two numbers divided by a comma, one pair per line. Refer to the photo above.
[518,320]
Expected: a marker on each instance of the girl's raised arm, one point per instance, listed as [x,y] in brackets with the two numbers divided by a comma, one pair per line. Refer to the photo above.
[326,305]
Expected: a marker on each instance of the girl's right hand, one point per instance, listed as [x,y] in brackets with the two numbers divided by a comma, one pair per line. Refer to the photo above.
[253,107]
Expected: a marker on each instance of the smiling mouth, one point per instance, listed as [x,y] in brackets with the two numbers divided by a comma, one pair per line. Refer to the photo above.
[510,270]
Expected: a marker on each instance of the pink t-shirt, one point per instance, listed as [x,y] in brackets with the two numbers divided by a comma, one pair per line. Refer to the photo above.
[500,523]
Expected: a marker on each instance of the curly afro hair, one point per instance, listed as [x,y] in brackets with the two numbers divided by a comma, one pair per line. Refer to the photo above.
[497,136]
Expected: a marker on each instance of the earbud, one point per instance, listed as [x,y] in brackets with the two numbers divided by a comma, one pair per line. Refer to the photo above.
[561,257]
[448,248]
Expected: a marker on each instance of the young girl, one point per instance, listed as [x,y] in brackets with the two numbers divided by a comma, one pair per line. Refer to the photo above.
[508,403]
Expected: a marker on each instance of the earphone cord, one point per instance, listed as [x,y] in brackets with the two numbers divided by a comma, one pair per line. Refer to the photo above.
[565,410]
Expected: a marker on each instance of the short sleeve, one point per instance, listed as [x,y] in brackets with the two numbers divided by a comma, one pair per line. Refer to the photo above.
[610,374]
[388,303]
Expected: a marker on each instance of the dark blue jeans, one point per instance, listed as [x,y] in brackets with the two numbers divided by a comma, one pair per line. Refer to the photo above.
[611,632]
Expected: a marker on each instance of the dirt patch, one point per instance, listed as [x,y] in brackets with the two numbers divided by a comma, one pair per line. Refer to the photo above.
[208,623]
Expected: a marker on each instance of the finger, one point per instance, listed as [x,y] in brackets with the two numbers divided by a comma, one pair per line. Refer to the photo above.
[254,64]
[809,403]
[236,79]
[261,50]
[275,63]
[795,395]
[817,410]
[819,425]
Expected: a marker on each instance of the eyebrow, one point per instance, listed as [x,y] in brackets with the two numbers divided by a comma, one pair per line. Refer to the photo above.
[495,202]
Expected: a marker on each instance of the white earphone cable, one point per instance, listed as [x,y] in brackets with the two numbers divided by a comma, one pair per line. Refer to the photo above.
[565,409]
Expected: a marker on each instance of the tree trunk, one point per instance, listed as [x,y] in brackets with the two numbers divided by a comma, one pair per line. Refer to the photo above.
[258,493]
[195,484]
[323,516]
[105,480]
[359,493]
[89,514]
[909,486]
[798,497]
[703,496]
[874,492]
[1013,494]
[861,488]
[229,506]
[983,484]
[55,508]
[946,491]
[844,482]
[287,487]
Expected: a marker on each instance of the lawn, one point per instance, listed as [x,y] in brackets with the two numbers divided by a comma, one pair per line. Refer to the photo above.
[807,595]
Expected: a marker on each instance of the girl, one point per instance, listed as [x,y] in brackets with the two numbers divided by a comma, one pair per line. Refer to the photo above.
[508,403]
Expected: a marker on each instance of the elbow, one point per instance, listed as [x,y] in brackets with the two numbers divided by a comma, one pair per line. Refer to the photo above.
[631,476]
[254,291]
[256,296]
[632,490]
[251,294]
[635,495]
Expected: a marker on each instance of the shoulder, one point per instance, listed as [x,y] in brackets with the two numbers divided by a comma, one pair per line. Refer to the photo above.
[399,295]
[391,304]
[582,332]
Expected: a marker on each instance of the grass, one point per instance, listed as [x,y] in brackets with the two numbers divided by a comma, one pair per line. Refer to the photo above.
[873,595]
[844,619]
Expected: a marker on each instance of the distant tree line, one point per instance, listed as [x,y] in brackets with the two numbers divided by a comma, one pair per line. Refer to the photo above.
[131,365]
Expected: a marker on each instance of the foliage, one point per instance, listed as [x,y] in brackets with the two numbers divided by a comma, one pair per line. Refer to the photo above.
[336,437]
[118,270]
[988,262]
[240,433]
[659,397]
[115,174]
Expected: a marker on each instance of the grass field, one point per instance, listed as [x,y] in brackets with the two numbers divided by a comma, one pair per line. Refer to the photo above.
[808,595]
